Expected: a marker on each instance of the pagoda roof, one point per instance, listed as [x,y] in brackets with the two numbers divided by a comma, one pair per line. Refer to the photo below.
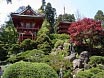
[27,12]
[25,16]
[64,23]
[67,22]
[28,8]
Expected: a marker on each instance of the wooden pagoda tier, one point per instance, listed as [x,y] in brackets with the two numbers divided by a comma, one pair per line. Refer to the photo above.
[27,23]
[63,27]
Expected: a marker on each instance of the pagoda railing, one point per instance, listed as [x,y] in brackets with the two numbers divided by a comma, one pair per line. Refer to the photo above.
[27,29]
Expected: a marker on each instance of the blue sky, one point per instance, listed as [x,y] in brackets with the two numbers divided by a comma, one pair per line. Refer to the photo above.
[86,8]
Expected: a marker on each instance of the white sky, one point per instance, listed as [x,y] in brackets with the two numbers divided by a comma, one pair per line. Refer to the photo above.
[6,9]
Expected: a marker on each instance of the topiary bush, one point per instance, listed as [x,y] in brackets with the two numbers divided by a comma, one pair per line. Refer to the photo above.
[3,52]
[90,73]
[12,59]
[31,56]
[45,47]
[59,43]
[15,49]
[29,70]
[55,37]
[28,44]
[94,60]
[44,43]
[99,75]
[84,74]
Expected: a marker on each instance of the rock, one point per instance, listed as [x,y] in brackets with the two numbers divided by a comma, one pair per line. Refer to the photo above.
[77,63]
[71,57]
[84,56]
[82,61]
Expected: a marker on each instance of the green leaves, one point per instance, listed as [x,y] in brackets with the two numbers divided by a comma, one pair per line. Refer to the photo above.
[66,17]
[29,70]
[44,43]
[9,34]
[94,60]
[28,44]
[50,14]
[99,15]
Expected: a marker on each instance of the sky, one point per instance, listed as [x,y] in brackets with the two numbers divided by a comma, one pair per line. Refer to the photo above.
[86,8]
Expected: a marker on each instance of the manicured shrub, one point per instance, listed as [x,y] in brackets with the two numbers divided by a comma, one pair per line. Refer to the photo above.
[67,74]
[28,44]
[31,55]
[29,70]
[99,75]
[44,43]
[59,43]
[45,47]
[94,60]
[44,29]
[90,73]
[84,74]
[15,49]
[59,36]
[12,59]
[3,52]
[56,37]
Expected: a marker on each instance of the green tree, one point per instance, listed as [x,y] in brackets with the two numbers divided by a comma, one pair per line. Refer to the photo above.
[66,17]
[9,1]
[60,18]
[8,35]
[99,15]
[43,5]
[50,13]
[44,29]
[44,43]
[3,52]
[42,8]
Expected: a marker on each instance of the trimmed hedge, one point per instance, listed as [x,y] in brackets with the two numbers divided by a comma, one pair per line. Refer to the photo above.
[94,60]
[84,74]
[99,75]
[90,73]
[29,70]
[29,55]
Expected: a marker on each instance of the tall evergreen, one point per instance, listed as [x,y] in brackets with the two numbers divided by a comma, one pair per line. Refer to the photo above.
[99,15]
[50,13]
[43,5]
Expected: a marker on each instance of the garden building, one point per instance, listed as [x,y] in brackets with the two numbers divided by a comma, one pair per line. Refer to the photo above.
[63,27]
[27,22]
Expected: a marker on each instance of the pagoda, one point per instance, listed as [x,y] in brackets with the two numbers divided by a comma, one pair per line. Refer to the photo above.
[27,22]
[63,26]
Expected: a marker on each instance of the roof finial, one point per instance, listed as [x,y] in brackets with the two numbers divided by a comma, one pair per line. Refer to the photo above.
[28,7]
[64,10]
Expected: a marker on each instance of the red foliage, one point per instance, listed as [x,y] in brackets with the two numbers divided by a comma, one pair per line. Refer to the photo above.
[84,31]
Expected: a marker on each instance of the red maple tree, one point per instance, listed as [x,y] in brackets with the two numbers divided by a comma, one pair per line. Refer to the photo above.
[85,32]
